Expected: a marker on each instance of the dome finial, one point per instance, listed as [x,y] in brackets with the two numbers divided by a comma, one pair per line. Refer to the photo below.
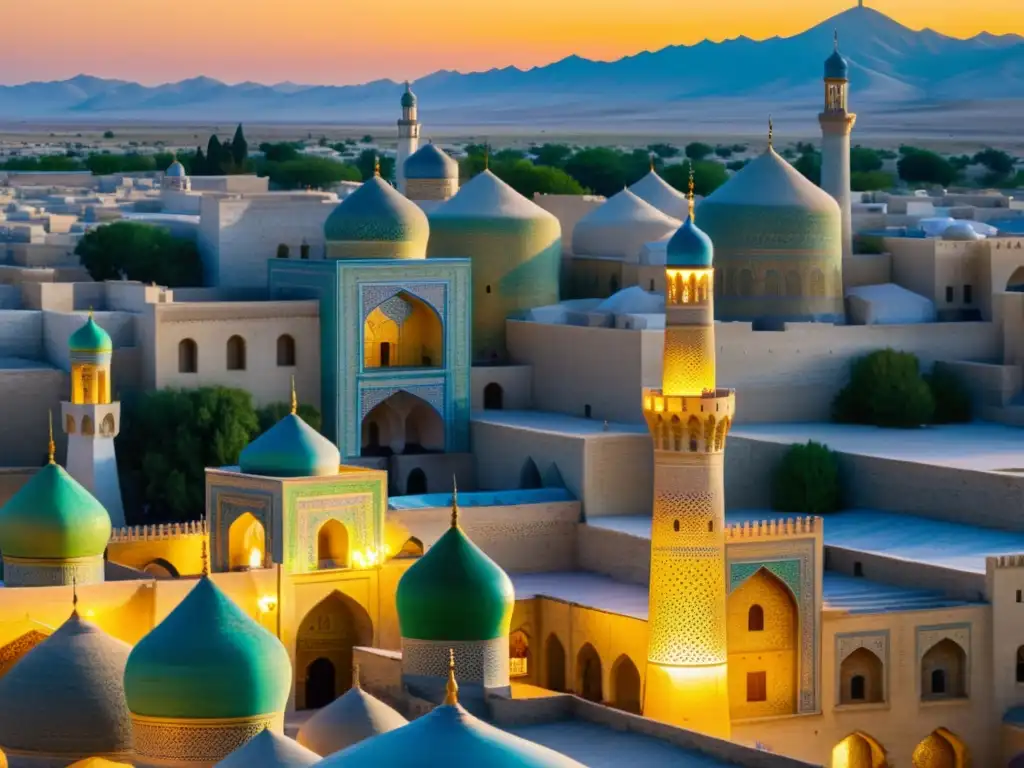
[651,158]
[487,155]
[771,132]
[74,595]
[355,676]
[835,40]
[90,312]
[376,166]
[452,688]
[689,192]
[206,560]
[295,399]
[51,448]
[455,503]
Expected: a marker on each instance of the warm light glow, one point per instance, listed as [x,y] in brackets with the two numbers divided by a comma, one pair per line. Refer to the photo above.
[696,697]
[370,556]
[255,558]
[267,603]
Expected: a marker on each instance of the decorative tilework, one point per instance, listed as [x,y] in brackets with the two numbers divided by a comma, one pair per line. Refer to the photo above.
[876,641]
[484,662]
[19,573]
[225,504]
[786,570]
[929,636]
[396,308]
[354,511]
[373,295]
[197,741]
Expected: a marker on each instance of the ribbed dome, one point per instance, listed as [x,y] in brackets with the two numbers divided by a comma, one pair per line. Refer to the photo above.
[347,720]
[768,181]
[290,448]
[431,162]
[90,338]
[53,517]
[378,213]
[270,750]
[176,169]
[448,737]
[836,67]
[620,226]
[454,592]
[689,247]
[206,660]
[655,190]
[66,696]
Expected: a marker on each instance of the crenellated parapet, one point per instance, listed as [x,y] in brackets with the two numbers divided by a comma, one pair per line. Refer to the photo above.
[1004,561]
[161,532]
[689,423]
[750,530]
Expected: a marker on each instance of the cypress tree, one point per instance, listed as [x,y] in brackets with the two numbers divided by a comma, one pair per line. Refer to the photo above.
[239,149]
[214,154]
[199,163]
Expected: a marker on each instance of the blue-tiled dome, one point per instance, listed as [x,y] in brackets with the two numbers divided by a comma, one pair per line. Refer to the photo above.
[290,448]
[176,170]
[836,67]
[430,162]
[377,213]
[408,98]
[689,247]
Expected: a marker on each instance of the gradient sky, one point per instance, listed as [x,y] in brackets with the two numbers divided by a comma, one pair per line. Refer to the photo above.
[352,41]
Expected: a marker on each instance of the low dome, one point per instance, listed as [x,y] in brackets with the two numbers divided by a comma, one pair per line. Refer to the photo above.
[961,230]
[836,67]
[290,448]
[633,300]
[662,195]
[66,696]
[378,213]
[207,660]
[690,247]
[90,338]
[454,592]
[176,170]
[270,750]
[431,162]
[349,719]
[53,517]
[620,226]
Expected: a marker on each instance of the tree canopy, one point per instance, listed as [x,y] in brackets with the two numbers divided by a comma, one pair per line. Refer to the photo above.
[698,150]
[864,160]
[708,175]
[140,252]
[885,390]
[523,176]
[922,166]
[307,171]
[368,158]
[807,480]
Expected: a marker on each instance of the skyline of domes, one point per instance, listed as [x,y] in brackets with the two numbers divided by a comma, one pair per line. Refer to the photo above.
[431,162]
[620,226]
[175,170]
[376,221]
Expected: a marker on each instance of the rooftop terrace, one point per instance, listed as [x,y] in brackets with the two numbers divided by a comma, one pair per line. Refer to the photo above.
[557,423]
[508,498]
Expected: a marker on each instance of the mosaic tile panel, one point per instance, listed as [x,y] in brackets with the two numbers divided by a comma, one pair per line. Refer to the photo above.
[484,662]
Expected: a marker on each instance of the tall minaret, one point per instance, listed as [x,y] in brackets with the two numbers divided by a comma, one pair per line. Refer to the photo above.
[836,125]
[687,678]
[408,135]
[91,420]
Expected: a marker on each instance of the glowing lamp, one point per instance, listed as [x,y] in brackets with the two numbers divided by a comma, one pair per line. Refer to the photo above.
[267,603]
[255,558]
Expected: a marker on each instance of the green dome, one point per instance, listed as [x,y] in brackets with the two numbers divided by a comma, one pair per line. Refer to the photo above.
[207,660]
[90,338]
[408,98]
[454,592]
[53,517]
[290,448]
[377,212]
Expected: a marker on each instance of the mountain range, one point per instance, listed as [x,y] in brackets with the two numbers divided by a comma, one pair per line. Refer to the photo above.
[890,66]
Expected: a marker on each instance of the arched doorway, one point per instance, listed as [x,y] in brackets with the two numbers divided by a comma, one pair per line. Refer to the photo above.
[940,749]
[412,547]
[626,685]
[320,681]
[416,482]
[519,654]
[588,674]
[529,475]
[328,633]
[944,671]
[858,750]
[403,423]
[554,653]
[1016,281]
[861,678]
[494,397]
[332,545]
[161,569]
[247,546]
[403,331]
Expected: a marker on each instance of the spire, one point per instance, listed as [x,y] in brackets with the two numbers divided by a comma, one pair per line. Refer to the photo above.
[487,156]
[206,560]
[90,313]
[74,595]
[835,40]
[295,400]
[355,676]
[452,688]
[51,448]
[455,503]
[689,194]
[771,132]
[651,158]
[376,166]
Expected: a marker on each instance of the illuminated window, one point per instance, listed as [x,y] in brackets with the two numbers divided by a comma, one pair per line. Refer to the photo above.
[757,686]
[518,653]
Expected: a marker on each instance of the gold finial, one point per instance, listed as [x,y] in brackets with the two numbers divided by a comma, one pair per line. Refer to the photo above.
[206,560]
[487,156]
[689,193]
[74,594]
[355,676]
[376,166]
[771,131]
[455,503]
[651,158]
[295,399]
[452,689]
[835,39]
[90,313]
[51,447]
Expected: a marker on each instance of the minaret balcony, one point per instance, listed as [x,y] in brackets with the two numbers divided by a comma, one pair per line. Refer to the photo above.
[689,423]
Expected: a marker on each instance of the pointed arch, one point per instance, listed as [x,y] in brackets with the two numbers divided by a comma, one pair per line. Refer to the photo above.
[88,428]
[720,431]
[554,656]
[709,433]
[323,647]
[403,331]
[626,685]
[693,433]
[588,674]
[859,750]
[529,475]
[413,547]
[944,671]
[332,545]
[107,425]
[402,423]
[247,543]
[161,569]
[677,434]
[861,678]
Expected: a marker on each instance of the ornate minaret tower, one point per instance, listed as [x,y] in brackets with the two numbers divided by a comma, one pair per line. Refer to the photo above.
[836,125]
[91,420]
[408,135]
[687,681]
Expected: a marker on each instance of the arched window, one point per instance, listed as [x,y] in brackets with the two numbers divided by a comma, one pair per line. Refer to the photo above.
[88,428]
[285,351]
[944,671]
[817,283]
[861,678]
[236,353]
[755,619]
[857,685]
[188,356]
[494,396]
[938,681]
[332,545]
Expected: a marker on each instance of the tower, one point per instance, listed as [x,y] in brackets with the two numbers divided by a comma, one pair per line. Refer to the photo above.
[408,135]
[91,420]
[687,680]
[836,124]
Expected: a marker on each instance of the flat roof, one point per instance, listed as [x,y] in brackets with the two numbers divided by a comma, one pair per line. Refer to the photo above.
[857,595]
[508,498]
[978,446]
[557,423]
[596,746]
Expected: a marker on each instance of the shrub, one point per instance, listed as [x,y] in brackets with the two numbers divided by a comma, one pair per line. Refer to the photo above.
[952,401]
[807,480]
[885,390]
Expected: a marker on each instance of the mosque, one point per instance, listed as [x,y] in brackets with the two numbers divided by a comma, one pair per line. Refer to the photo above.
[588,598]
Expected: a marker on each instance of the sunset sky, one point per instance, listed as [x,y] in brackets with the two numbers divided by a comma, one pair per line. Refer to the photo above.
[349,41]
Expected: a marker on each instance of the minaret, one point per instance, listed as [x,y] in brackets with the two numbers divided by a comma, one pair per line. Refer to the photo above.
[408,135]
[91,420]
[836,125]
[687,680]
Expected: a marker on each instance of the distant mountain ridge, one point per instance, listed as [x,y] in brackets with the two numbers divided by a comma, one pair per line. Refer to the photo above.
[889,64]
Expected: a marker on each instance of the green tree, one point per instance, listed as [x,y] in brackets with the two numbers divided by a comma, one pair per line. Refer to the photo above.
[723,152]
[239,149]
[952,401]
[367,139]
[49,163]
[140,252]
[864,160]
[599,169]
[998,162]
[736,165]
[869,181]
[214,157]
[108,134]
[698,150]
[922,166]
[307,171]
[809,164]
[281,151]
[168,438]
[554,155]
[198,167]
[102,164]
[886,390]
[366,160]
[708,175]
[664,151]
[807,480]
[269,415]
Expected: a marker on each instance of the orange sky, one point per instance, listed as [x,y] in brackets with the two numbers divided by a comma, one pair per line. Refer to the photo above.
[339,41]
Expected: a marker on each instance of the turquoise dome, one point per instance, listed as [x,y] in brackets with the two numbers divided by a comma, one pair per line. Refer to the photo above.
[207,660]
[53,517]
[408,98]
[290,448]
[176,170]
[90,338]
[431,162]
[836,67]
[376,212]
[689,247]
[454,592]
